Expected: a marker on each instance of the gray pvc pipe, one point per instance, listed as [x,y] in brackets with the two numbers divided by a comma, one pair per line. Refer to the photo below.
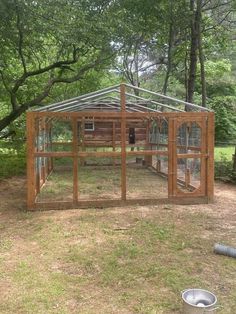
[225,250]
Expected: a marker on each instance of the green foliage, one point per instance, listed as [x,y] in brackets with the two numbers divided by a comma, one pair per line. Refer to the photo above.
[219,78]
[47,43]
[12,159]
[224,164]
[89,35]
[223,167]
[225,119]
[224,151]
[216,69]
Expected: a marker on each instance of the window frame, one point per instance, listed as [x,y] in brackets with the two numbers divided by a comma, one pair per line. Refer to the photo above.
[89,129]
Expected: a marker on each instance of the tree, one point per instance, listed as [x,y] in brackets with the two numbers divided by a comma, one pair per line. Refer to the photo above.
[46,43]
[217,14]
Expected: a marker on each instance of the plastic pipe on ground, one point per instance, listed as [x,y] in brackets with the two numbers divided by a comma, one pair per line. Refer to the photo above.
[225,250]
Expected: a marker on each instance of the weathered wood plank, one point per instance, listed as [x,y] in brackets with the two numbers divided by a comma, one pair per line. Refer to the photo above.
[31,176]
[115,203]
[104,114]
[75,160]
[123,142]
[171,154]
[53,154]
[210,160]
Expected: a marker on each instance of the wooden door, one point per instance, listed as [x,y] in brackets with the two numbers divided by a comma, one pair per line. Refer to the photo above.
[189,151]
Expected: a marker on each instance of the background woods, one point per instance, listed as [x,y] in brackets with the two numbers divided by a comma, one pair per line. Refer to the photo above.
[53,50]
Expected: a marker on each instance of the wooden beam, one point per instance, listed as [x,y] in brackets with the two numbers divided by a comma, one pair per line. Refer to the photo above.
[63,143]
[75,160]
[44,149]
[205,155]
[118,115]
[147,153]
[31,178]
[123,142]
[195,155]
[82,139]
[101,154]
[210,160]
[187,178]
[115,202]
[53,154]
[37,172]
[114,140]
[171,157]
[148,157]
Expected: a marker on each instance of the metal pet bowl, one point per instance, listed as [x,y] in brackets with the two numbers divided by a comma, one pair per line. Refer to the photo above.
[198,301]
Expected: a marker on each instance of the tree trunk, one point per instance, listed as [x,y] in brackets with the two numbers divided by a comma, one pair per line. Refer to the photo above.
[4,122]
[136,73]
[201,55]
[170,47]
[193,51]
[186,75]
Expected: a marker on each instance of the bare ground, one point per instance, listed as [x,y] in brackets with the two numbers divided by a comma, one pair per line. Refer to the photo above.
[120,260]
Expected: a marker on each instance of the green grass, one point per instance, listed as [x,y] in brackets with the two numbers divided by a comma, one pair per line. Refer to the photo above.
[224,153]
[129,260]
[101,182]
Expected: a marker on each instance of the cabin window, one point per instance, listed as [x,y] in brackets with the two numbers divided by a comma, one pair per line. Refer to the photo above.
[89,126]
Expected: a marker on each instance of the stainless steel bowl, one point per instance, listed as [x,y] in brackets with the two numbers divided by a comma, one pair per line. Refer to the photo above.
[198,301]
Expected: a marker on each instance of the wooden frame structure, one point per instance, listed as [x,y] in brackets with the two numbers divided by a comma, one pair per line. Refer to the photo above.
[180,118]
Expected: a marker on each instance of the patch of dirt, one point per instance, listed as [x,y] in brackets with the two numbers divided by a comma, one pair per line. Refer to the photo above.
[221,213]
[12,195]
[13,201]
[24,234]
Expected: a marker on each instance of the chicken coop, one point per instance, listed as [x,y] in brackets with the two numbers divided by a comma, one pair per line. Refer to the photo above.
[116,146]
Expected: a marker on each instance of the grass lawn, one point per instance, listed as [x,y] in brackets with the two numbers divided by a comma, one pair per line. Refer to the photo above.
[224,152]
[102,183]
[121,260]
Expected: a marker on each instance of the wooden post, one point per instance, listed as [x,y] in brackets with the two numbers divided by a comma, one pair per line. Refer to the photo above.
[203,149]
[158,166]
[123,142]
[82,138]
[114,140]
[31,179]
[37,172]
[187,177]
[49,146]
[75,160]
[171,157]
[44,149]
[210,163]
[148,159]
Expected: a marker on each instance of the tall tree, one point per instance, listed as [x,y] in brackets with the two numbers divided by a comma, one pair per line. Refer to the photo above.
[45,43]
[170,47]
[194,26]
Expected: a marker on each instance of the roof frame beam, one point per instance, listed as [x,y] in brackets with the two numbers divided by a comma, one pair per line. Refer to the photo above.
[78,98]
[169,98]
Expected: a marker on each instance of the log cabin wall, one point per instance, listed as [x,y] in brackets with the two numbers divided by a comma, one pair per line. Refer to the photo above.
[103,133]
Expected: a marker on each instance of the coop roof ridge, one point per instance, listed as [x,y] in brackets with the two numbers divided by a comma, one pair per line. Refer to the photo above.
[87,100]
